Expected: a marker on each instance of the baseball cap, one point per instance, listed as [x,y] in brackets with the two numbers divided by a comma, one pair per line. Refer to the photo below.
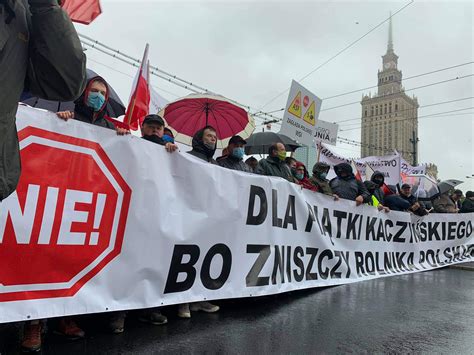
[406,186]
[237,139]
[154,119]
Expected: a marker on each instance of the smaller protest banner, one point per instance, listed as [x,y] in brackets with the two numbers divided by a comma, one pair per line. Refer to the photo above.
[301,114]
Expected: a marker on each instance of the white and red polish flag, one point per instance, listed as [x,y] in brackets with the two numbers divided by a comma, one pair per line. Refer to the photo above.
[356,171]
[138,106]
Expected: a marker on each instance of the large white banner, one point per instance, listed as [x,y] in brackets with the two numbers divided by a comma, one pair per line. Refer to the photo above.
[103,223]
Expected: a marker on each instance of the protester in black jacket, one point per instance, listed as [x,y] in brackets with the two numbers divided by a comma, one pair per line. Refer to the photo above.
[153,129]
[468,203]
[235,154]
[91,106]
[345,185]
[415,206]
[378,179]
[204,144]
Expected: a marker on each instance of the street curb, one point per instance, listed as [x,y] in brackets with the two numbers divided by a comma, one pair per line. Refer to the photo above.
[469,266]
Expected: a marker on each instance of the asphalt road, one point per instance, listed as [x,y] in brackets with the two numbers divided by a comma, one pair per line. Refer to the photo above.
[430,312]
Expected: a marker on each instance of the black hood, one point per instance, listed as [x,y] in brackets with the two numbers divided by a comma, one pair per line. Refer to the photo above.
[198,144]
[344,167]
[375,175]
[81,105]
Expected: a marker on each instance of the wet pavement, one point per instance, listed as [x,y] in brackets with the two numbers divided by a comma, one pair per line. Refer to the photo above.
[430,312]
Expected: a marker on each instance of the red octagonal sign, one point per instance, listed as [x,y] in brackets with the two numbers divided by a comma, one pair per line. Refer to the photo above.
[66,220]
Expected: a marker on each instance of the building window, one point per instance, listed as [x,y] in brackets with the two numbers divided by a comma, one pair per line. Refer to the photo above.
[365,113]
[396,107]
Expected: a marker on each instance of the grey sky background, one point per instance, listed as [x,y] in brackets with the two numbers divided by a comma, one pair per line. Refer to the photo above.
[251,50]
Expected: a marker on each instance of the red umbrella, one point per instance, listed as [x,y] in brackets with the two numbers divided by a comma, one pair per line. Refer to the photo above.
[191,113]
[82,11]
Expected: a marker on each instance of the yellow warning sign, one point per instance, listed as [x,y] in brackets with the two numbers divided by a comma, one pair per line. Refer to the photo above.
[295,107]
[309,115]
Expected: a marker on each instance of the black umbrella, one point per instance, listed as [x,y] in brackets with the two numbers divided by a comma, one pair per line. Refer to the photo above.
[115,107]
[258,143]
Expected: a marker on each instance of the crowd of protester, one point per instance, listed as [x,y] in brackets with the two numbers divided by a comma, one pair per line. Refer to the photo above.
[51,65]
[90,108]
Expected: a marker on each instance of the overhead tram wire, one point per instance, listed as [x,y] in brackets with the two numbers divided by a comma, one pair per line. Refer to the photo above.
[375,86]
[386,148]
[437,114]
[262,116]
[156,71]
[338,53]
[130,76]
[406,90]
[372,118]
[138,61]
[404,79]
[137,66]
[411,89]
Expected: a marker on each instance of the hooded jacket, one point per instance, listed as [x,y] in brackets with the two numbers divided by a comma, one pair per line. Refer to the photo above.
[322,185]
[378,192]
[273,166]
[200,150]
[305,182]
[40,52]
[84,113]
[348,187]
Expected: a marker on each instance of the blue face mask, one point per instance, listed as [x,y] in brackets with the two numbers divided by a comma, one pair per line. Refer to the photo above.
[238,153]
[95,100]
[323,175]
[299,176]
[168,139]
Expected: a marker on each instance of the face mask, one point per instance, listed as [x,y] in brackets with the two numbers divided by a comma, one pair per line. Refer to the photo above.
[282,155]
[95,100]
[238,153]
[323,175]
[293,171]
[210,146]
[168,139]
[299,176]
[378,181]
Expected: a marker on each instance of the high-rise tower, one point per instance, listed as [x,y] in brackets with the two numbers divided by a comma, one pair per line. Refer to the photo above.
[390,117]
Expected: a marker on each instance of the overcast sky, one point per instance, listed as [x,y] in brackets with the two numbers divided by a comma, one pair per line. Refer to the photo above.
[251,50]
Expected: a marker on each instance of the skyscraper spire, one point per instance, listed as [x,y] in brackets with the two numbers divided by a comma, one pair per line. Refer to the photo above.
[390,37]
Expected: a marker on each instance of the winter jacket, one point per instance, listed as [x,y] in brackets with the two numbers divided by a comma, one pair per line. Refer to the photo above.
[234,163]
[322,185]
[467,206]
[421,211]
[378,192]
[200,150]
[444,204]
[348,187]
[39,52]
[396,203]
[273,166]
[84,113]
